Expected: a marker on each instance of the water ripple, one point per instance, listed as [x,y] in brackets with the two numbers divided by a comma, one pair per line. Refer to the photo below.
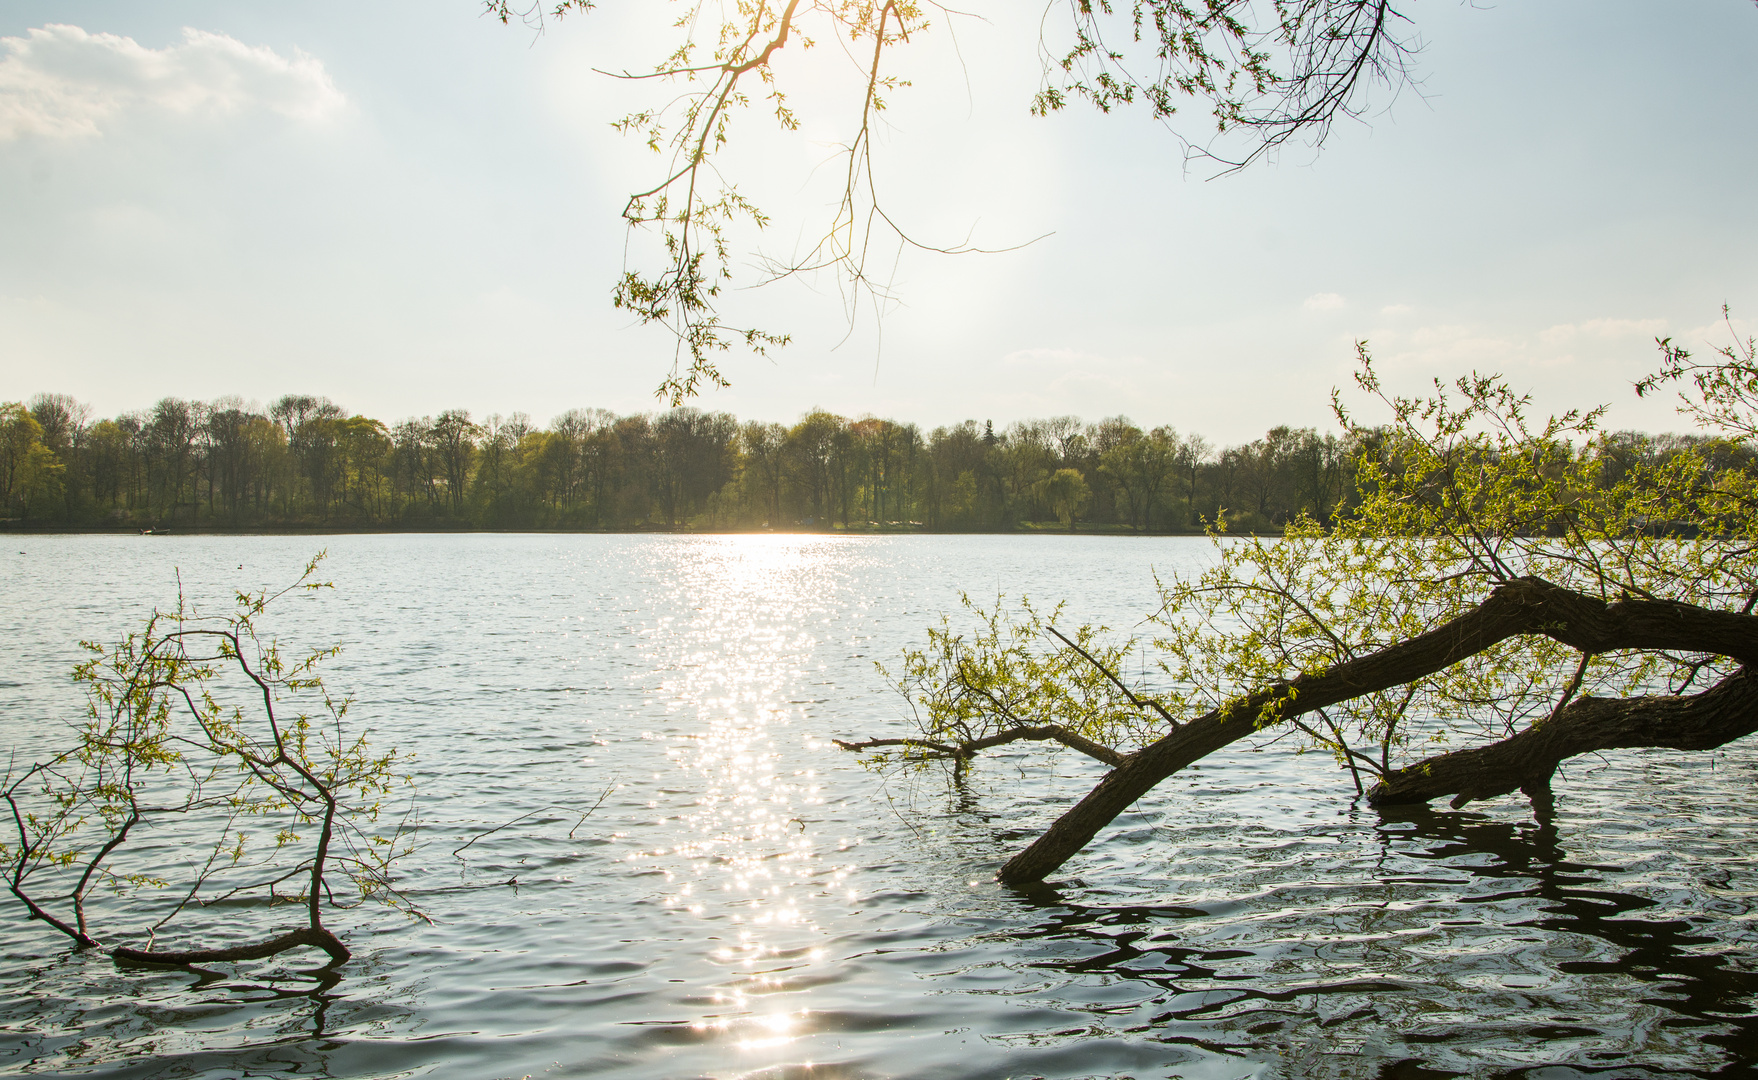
[643,857]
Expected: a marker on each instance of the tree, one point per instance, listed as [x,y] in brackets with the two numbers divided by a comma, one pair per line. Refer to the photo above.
[1141,464]
[363,445]
[415,461]
[454,442]
[308,427]
[568,457]
[495,480]
[763,445]
[1267,73]
[1192,453]
[1067,493]
[205,733]
[169,437]
[231,462]
[29,471]
[810,453]
[64,422]
[1320,467]
[693,459]
[1491,589]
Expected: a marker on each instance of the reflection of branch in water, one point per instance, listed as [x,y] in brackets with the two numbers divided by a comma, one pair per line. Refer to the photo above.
[1664,951]
[1227,1001]
[300,1040]
[324,980]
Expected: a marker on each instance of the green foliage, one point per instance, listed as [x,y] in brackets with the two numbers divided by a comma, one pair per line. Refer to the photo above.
[30,473]
[721,64]
[1067,493]
[205,739]
[308,463]
[305,462]
[969,687]
[1723,393]
[1457,492]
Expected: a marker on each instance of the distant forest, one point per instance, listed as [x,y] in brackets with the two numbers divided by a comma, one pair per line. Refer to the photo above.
[305,463]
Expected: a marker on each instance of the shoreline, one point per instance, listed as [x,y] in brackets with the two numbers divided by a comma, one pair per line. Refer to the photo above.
[320,529]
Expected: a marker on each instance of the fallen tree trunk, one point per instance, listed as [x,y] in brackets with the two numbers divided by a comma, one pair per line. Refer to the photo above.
[1522,606]
[1525,762]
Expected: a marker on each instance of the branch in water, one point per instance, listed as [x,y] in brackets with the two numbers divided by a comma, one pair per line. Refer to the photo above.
[965,750]
[315,936]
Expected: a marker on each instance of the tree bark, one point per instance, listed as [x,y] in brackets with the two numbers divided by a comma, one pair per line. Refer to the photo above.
[1526,761]
[1522,606]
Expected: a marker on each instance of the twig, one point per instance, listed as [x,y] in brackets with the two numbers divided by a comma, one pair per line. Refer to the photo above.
[498,828]
[594,806]
[1138,702]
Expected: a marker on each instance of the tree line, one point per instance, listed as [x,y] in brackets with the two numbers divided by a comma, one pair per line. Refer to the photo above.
[306,462]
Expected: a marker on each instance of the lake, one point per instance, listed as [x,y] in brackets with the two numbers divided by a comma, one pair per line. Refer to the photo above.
[748,901]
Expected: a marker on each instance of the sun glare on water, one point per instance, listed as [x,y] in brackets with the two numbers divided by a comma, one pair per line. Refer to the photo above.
[741,853]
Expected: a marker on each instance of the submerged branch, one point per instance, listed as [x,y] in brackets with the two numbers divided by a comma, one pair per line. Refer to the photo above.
[315,936]
[965,750]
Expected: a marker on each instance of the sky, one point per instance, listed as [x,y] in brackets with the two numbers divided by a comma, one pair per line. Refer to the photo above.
[408,207]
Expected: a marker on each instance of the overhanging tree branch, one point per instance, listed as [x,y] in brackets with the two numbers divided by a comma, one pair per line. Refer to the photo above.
[1525,606]
[1271,72]
[1492,581]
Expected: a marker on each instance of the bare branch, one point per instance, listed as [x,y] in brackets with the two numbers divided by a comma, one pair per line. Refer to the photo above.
[1138,702]
[966,750]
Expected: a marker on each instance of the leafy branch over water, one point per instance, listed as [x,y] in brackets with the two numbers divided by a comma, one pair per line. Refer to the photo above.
[205,744]
[1266,73]
[1495,587]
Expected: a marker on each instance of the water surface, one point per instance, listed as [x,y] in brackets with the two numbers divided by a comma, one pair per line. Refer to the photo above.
[747,901]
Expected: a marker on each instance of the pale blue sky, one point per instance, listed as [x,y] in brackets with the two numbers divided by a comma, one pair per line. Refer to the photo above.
[408,207]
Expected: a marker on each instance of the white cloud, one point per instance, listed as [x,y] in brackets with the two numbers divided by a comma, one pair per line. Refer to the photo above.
[1604,329]
[1396,309]
[1456,348]
[1325,301]
[1716,335]
[62,82]
[1451,348]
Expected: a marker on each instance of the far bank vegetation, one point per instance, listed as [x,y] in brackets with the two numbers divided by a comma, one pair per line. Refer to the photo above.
[305,462]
